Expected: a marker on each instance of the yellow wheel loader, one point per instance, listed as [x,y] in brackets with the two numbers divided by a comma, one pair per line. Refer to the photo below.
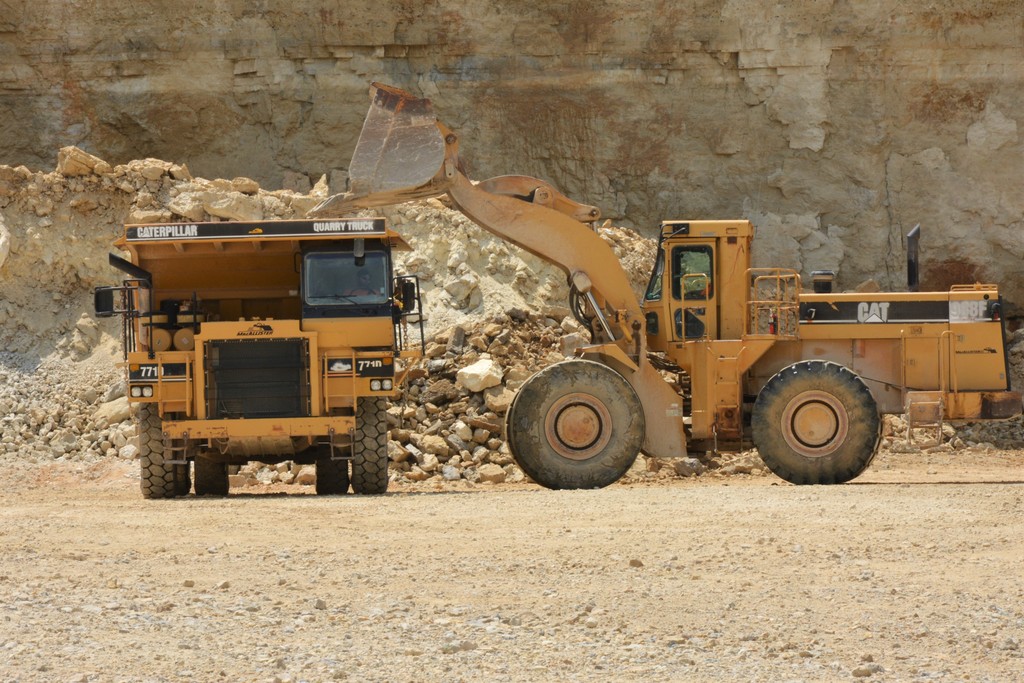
[802,375]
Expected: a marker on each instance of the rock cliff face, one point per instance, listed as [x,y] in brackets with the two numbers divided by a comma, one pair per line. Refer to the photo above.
[834,126]
[57,228]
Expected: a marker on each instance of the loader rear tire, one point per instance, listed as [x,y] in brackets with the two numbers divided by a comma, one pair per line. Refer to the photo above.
[575,425]
[816,422]
[211,477]
[370,447]
[331,475]
[157,477]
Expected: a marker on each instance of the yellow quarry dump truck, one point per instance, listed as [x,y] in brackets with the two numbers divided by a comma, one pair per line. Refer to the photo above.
[718,354]
[263,341]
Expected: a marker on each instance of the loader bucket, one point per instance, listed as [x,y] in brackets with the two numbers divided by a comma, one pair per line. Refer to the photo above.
[399,153]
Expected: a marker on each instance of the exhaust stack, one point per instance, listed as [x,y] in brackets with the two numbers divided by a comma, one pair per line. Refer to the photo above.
[913,279]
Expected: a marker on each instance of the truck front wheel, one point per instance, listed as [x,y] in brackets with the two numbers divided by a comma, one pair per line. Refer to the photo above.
[157,477]
[370,447]
[816,422]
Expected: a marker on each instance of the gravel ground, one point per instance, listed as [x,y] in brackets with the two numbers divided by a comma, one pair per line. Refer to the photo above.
[911,573]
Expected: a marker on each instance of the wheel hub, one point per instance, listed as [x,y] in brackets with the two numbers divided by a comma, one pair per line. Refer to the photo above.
[815,423]
[578,426]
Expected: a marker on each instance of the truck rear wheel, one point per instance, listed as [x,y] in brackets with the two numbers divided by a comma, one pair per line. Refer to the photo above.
[331,475]
[182,480]
[157,477]
[370,447]
[183,471]
[575,425]
[211,477]
[816,422]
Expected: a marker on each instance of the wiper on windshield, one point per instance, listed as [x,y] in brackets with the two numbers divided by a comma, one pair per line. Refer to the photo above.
[334,298]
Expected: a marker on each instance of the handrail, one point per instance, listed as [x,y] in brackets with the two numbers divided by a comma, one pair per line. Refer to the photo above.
[976,287]
[324,384]
[325,395]
[783,308]
[159,389]
[189,388]
[951,374]
[903,363]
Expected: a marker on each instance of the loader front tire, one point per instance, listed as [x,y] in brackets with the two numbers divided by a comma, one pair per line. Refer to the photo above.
[816,422]
[575,425]
[157,477]
[370,447]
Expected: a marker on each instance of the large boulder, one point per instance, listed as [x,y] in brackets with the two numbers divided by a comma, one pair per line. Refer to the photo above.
[483,374]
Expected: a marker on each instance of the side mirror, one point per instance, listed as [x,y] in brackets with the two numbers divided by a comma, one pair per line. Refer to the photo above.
[103,301]
[407,296]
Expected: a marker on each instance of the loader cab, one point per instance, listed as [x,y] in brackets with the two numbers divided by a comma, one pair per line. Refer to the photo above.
[692,275]
[696,291]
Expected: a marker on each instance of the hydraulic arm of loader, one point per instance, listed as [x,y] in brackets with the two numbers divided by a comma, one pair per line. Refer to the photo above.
[405,153]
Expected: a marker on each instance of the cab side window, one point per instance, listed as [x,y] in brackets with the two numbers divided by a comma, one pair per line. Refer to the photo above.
[654,285]
[692,273]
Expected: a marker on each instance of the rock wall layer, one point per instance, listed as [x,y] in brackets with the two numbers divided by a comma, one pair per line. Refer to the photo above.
[835,126]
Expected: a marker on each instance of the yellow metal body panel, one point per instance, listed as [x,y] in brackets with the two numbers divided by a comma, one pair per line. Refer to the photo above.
[350,333]
[254,428]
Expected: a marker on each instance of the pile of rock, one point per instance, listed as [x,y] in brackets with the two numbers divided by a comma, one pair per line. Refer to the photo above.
[55,409]
[56,230]
[451,423]
[468,275]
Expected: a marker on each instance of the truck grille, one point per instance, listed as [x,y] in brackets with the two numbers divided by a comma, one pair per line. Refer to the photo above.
[255,378]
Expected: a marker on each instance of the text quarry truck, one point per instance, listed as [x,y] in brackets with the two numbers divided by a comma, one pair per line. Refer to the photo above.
[263,341]
[753,357]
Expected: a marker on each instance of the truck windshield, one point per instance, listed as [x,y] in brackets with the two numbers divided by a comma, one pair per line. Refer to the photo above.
[334,278]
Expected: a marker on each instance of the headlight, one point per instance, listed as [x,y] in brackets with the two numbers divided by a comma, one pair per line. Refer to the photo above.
[375,385]
[387,384]
[136,392]
[147,391]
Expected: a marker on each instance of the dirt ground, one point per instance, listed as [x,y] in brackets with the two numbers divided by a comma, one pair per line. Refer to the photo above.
[913,572]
